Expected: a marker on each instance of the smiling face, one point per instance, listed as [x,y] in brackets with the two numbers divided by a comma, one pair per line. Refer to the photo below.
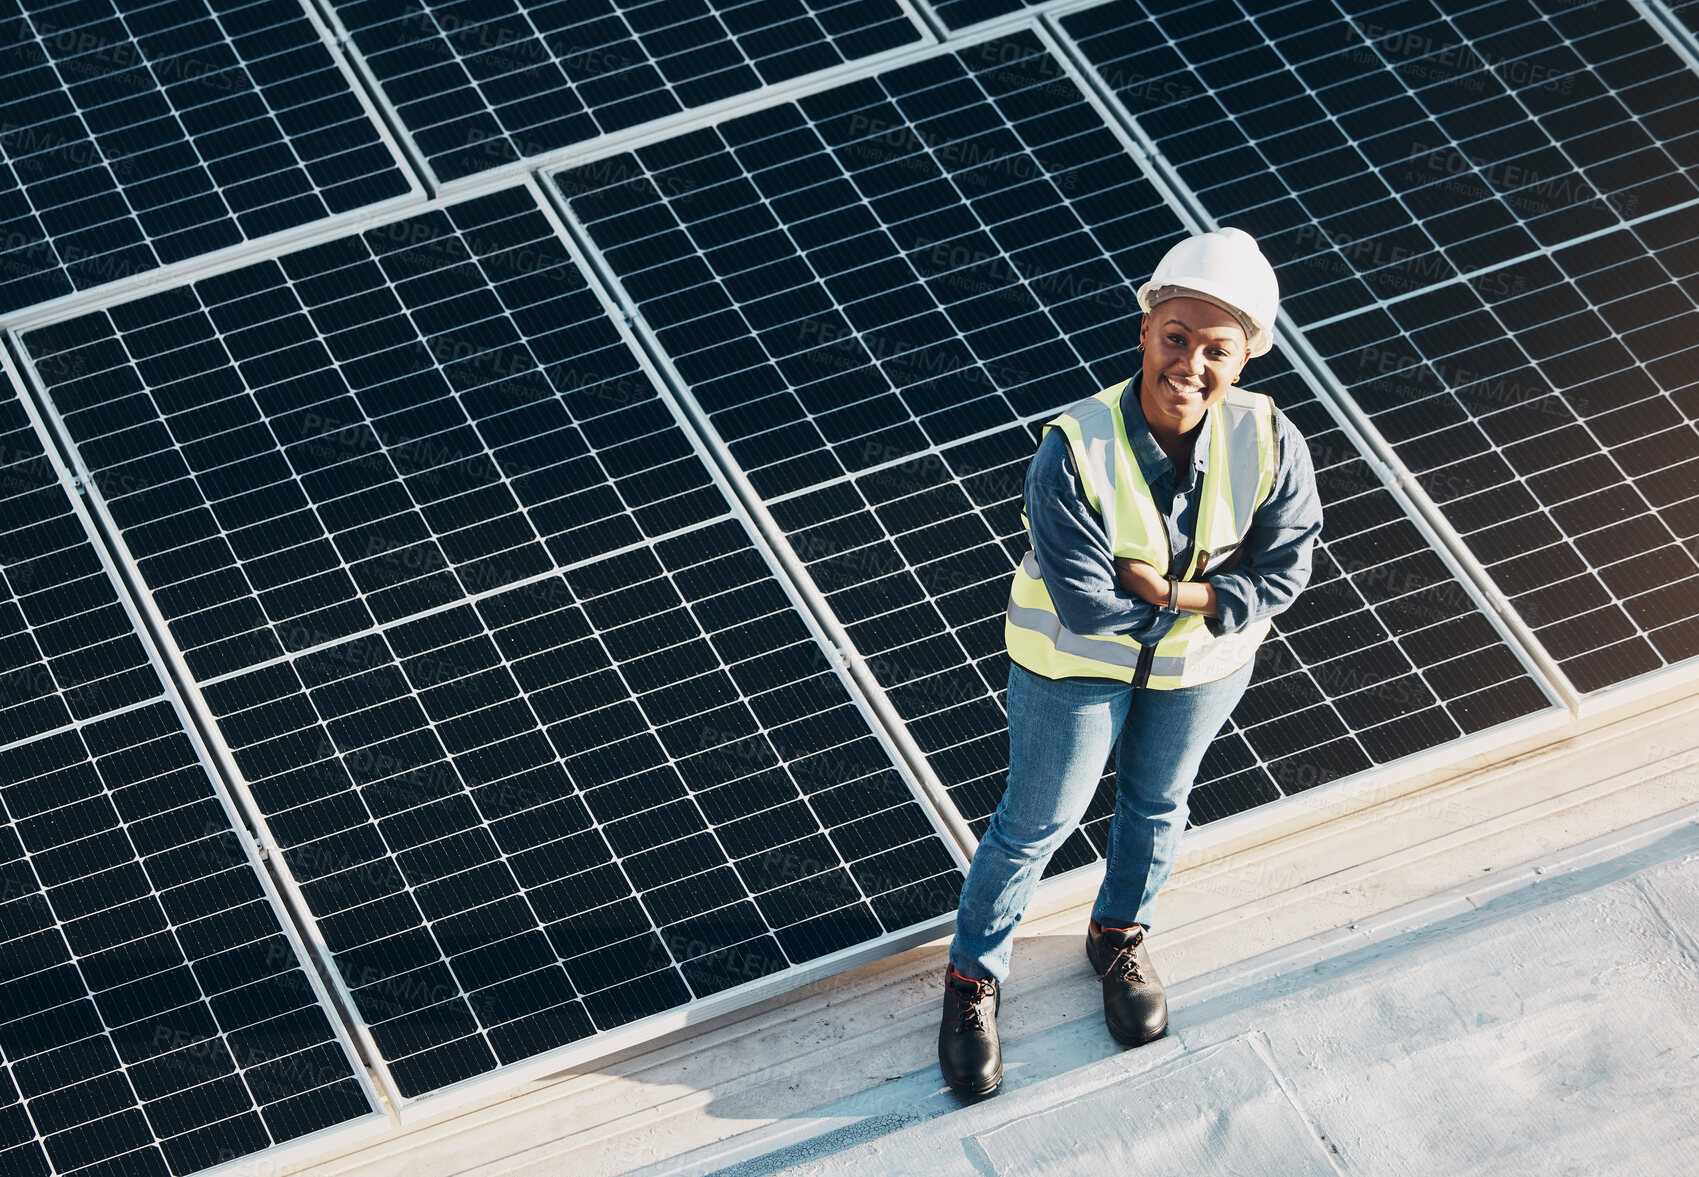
[1193,350]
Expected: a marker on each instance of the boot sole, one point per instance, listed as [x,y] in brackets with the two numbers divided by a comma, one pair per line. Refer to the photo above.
[1131,1042]
[980,1092]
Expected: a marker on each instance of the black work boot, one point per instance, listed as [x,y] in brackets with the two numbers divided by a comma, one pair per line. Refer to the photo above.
[968,1051]
[1134,1004]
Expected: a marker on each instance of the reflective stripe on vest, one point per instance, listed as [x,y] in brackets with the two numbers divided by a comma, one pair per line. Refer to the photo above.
[1242,465]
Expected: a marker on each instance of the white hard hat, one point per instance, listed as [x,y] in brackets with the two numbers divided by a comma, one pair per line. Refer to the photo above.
[1225,268]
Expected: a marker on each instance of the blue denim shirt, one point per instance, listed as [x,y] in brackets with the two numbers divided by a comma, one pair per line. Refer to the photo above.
[1078,564]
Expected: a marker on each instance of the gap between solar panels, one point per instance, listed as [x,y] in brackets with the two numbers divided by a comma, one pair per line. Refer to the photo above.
[544,744]
[158,1011]
[872,294]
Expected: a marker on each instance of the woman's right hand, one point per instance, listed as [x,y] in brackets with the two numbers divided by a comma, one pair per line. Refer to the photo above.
[1142,580]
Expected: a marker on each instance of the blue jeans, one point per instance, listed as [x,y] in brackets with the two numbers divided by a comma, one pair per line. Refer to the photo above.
[1060,734]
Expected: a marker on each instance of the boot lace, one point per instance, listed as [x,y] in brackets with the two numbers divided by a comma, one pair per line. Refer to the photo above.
[973,1007]
[1125,964]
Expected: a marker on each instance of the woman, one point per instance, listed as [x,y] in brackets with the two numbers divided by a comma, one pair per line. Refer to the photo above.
[1172,516]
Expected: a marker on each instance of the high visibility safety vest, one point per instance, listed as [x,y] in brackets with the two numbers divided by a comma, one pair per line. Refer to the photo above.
[1243,460]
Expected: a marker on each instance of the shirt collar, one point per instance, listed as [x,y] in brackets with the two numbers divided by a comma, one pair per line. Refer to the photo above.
[1153,463]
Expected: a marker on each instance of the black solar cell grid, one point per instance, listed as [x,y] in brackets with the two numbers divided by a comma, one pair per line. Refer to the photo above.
[861,287]
[478,85]
[67,647]
[960,14]
[153,1017]
[136,138]
[580,801]
[365,429]
[887,265]
[1379,149]
[1549,408]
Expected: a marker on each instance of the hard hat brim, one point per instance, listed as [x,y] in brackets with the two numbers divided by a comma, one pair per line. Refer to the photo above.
[1260,338]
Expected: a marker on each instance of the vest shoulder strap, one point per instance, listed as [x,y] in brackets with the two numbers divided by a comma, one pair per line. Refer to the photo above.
[1092,429]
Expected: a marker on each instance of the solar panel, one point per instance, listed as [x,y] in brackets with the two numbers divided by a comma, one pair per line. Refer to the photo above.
[873,294]
[1548,407]
[526,710]
[137,138]
[154,1015]
[68,648]
[356,432]
[479,85]
[1379,150]
[579,802]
